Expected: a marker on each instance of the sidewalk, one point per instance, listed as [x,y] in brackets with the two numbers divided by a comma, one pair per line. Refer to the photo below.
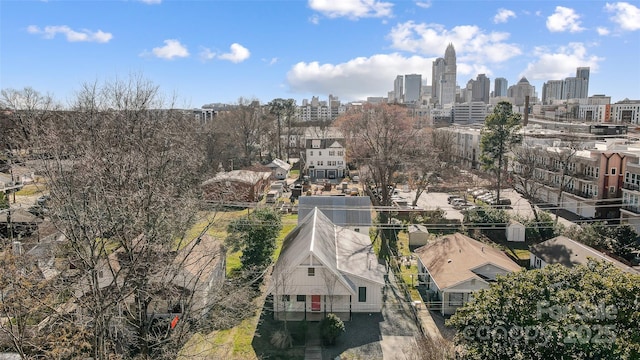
[313,346]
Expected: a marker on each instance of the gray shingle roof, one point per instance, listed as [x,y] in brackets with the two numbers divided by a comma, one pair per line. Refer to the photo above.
[342,251]
[568,252]
[341,210]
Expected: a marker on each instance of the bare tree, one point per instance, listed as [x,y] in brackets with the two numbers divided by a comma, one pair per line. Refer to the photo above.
[525,173]
[242,125]
[561,161]
[330,281]
[380,138]
[123,169]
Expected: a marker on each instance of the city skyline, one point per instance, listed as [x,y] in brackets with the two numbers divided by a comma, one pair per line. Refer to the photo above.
[218,51]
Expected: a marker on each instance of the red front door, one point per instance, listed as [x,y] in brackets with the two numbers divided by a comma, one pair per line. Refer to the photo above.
[315,302]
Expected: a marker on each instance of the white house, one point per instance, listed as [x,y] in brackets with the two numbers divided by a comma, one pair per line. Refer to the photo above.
[568,252]
[279,168]
[324,268]
[351,212]
[325,159]
[454,266]
[515,231]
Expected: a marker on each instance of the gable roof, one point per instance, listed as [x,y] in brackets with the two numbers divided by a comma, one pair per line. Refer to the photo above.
[341,210]
[340,250]
[244,176]
[277,163]
[451,259]
[568,252]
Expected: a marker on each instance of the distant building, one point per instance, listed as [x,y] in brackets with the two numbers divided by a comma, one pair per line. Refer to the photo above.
[444,77]
[521,90]
[481,88]
[412,87]
[500,87]
[469,113]
[398,90]
[552,90]
[626,112]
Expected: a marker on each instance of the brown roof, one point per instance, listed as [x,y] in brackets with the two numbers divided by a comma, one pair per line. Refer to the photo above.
[568,252]
[451,259]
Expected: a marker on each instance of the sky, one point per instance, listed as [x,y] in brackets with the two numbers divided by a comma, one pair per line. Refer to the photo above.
[218,51]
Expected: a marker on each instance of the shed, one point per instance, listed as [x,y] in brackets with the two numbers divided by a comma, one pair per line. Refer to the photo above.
[515,232]
[418,235]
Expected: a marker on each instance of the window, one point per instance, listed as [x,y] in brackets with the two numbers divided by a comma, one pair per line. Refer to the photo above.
[340,153]
[301,298]
[612,189]
[362,294]
[311,271]
[356,229]
[310,152]
[332,153]
[319,153]
[286,298]
[613,171]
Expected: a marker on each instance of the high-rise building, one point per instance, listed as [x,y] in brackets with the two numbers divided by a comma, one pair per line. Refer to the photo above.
[398,89]
[444,77]
[500,87]
[481,88]
[412,88]
[552,90]
[582,82]
[436,74]
[521,90]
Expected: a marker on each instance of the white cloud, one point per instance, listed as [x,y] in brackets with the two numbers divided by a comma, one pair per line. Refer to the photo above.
[238,54]
[503,16]
[424,4]
[49,32]
[206,54]
[273,61]
[172,49]
[314,19]
[564,19]
[472,44]
[560,63]
[352,9]
[151,2]
[355,79]
[602,31]
[626,15]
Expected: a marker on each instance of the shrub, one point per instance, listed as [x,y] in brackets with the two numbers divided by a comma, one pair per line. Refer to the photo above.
[281,339]
[330,328]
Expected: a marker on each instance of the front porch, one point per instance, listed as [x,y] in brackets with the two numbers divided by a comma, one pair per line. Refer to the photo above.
[308,316]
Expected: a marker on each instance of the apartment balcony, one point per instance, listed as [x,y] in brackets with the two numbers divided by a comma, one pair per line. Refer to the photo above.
[630,186]
[631,208]
[580,193]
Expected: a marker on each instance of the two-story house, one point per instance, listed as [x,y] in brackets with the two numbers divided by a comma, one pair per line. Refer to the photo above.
[325,159]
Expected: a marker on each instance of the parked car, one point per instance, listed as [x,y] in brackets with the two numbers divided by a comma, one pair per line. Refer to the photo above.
[42,200]
[478,192]
[451,198]
[501,202]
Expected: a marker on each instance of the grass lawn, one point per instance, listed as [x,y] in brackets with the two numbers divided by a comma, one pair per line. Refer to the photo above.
[234,343]
[32,189]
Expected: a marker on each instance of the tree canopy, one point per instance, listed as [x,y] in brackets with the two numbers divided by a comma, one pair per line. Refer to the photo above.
[584,312]
[256,236]
[498,134]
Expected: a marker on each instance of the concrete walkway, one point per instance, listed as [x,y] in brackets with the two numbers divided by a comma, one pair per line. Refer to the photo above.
[313,345]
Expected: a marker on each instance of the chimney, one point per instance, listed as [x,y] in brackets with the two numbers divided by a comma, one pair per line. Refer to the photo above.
[525,121]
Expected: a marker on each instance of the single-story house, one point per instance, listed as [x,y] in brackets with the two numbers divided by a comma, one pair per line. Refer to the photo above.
[20,222]
[325,268]
[454,266]
[568,252]
[351,212]
[515,231]
[418,235]
[237,186]
[279,168]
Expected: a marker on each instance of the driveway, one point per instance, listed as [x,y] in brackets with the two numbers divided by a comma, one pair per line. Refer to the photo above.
[432,201]
[388,335]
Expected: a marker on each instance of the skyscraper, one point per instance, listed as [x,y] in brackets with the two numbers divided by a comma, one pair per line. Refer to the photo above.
[412,88]
[582,82]
[552,90]
[436,74]
[398,89]
[500,87]
[521,90]
[480,89]
[448,82]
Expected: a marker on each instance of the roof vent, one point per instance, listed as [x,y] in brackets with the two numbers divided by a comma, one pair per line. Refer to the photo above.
[449,260]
